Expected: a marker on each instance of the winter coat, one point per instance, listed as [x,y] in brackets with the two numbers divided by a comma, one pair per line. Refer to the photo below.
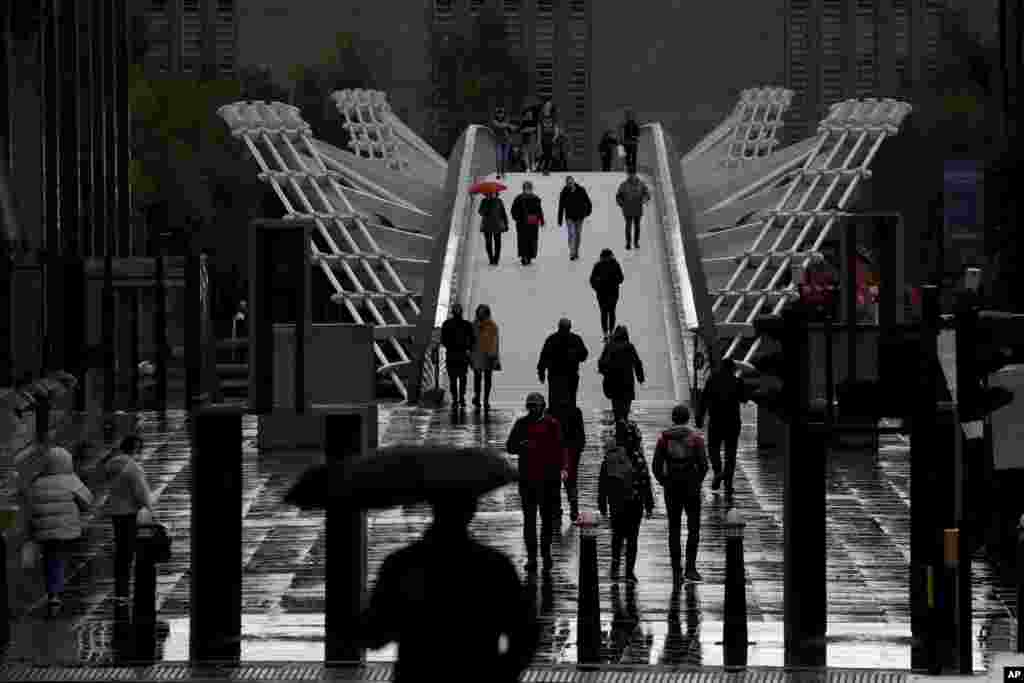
[128,490]
[644,492]
[818,286]
[606,277]
[538,443]
[632,196]
[574,434]
[494,217]
[562,354]
[692,439]
[56,498]
[619,363]
[607,146]
[630,133]
[722,395]
[548,129]
[458,336]
[502,130]
[574,204]
[526,206]
[430,589]
[486,348]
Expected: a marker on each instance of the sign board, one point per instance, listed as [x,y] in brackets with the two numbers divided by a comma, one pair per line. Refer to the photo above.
[963,213]
[1008,422]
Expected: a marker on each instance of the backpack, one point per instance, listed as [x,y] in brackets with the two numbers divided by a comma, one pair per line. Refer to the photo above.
[619,468]
[685,460]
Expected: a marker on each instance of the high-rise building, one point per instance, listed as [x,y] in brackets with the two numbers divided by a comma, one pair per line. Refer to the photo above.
[177,30]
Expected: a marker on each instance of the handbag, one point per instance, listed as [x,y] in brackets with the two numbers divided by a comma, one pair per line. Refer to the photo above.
[158,544]
[620,151]
[495,363]
[30,554]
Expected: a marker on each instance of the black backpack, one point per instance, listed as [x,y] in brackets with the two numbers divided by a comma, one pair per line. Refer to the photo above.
[685,462]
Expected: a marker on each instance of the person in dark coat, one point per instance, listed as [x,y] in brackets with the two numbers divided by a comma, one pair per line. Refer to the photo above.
[458,338]
[606,149]
[528,121]
[528,215]
[543,465]
[574,206]
[680,465]
[559,362]
[626,514]
[630,140]
[605,280]
[494,222]
[549,133]
[431,589]
[721,398]
[619,364]
[574,437]
[503,134]
[631,197]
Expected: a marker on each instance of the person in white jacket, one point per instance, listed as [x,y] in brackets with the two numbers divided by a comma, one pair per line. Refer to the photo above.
[54,500]
[129,493]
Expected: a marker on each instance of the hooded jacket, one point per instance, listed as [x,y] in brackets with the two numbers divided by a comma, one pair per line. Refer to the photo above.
[56,498]
[458,336]
[723,393]
[659,466]
[619,364]
[606,277]
[644,493]
[129,491]
[632,196]
[539,445]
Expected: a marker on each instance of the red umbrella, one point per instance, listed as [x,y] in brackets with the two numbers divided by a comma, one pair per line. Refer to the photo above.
[487,187]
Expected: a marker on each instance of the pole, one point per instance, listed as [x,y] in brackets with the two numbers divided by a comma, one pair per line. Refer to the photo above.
[192,308]
[216,598]
[5,608]
[144,598]
[1020,584]
[588,622]
[160,328]
[830,394]
[133,347]
[968,386]
[735,626]
[850,243]
[345,437]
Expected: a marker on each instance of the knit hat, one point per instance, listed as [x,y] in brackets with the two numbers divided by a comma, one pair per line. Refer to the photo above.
[535,399]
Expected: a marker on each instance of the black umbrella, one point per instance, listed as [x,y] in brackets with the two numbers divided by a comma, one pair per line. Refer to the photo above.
[406,475]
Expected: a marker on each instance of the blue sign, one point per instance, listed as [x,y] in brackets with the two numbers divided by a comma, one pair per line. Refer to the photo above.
[961,189]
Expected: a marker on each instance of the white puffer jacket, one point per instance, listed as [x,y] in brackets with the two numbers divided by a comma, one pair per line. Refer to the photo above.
[56,499]
[128,489]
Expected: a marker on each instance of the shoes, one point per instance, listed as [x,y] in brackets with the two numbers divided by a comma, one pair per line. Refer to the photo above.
[523,261]
[487,406]
[693,576]
[628,246]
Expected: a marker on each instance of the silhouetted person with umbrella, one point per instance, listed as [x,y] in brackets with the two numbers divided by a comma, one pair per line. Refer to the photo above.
[449,586]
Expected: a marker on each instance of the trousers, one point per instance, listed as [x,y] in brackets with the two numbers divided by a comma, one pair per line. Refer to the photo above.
[729,435]
[124,553]
[493,245]
[575,232]
[633,221]
[607,304]
[543,497]
[626,532]
[679,500]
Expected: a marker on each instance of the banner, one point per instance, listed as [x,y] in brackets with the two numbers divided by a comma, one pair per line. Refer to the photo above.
[964,235]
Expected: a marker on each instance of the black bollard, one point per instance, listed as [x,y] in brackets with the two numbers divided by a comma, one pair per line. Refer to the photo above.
[8,513]
[1020,583]
[216,533]
[735,625]
[588,618]
[144,597]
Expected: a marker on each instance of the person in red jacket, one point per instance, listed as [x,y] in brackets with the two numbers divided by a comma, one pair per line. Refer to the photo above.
[543,465]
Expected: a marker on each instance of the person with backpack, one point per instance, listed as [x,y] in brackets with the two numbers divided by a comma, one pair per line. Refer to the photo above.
[574,206]
[503,134]
[631,198]
[680,465]
[528,215]
[543,465]
[458,338]
[605,279]
[624,489]
[619,363]
[574,436]
[721,398]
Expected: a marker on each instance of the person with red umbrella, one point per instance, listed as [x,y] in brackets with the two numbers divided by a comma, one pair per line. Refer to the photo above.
[494,222]
[528,214]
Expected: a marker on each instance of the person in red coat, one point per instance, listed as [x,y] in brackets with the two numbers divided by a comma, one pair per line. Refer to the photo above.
[543,465]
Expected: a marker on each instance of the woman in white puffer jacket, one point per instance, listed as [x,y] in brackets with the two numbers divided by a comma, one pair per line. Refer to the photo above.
[54,501]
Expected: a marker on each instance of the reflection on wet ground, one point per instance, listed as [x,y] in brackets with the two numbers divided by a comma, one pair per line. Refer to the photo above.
[868,541]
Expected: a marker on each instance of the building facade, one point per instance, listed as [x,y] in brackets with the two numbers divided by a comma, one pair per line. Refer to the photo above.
[190,36]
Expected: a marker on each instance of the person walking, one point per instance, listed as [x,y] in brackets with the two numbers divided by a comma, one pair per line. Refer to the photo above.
[721,398]
[503,134]
[630,140]
[543,465]
[528,215]
[606,150]
[528,121]
[128,494]
[574,437]
[574,207]
[619,364]
[680,465]
[430,589]
[624,489]
[631,197]
[605,280]
[54,499]
[494,222]
[458,338]
[559,362]
[485,357]
[549,133]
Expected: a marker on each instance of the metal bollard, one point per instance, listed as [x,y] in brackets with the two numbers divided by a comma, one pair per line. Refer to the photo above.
[8,521]
[144,599]
[588,621]
[735,627]
[1020,583]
